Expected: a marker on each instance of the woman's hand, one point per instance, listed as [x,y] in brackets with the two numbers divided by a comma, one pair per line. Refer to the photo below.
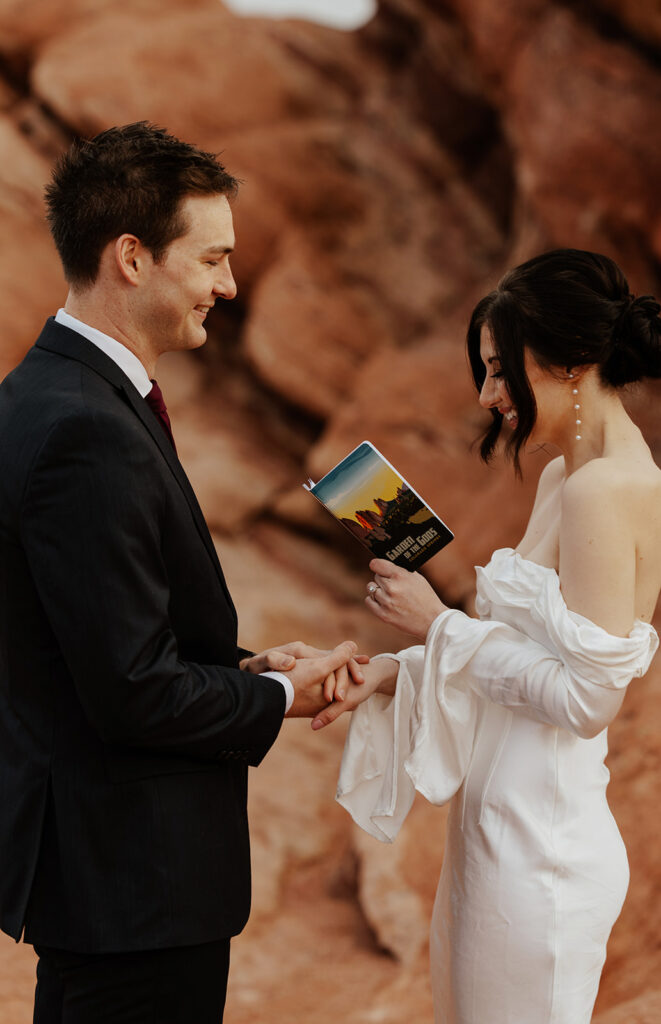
[337,684]
[378,677]
[402,599]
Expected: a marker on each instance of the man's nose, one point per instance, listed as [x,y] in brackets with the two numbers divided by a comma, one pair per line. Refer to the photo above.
[226,285]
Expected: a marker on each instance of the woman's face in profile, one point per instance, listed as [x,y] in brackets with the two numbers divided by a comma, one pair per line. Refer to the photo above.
[551,388]
[494,393]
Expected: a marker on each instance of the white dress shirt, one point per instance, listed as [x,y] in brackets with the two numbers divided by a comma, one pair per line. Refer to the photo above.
[136,373]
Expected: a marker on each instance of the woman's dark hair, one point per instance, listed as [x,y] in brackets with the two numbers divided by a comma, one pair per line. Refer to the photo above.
[130,179]
[569,308]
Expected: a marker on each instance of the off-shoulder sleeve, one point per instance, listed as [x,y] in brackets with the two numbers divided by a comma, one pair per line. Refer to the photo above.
[575,679]
[422,738]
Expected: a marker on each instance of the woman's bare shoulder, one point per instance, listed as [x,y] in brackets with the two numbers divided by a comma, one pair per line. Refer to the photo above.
[629,486]
[610,540]
[631,479]
[552,476]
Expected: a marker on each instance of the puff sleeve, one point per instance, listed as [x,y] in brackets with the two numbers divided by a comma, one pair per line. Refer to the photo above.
[422,738]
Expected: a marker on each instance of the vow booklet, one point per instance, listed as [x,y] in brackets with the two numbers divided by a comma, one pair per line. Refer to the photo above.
[369,497]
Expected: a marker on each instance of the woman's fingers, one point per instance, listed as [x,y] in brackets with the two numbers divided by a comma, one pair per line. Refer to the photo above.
[341,683]
[382,567]
[354,668]
[327,716]
[329,687]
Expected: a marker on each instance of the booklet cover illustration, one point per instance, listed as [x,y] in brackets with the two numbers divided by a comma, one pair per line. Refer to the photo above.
[369,497]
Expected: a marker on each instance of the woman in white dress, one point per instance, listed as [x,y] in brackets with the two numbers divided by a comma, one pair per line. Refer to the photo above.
[506,716]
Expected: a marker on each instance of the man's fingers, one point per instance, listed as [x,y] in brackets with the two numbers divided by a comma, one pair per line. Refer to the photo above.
[300,650]
[339,656]
[280,662]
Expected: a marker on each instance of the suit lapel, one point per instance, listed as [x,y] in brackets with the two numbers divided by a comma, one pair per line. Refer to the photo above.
[147,417]
[65,342]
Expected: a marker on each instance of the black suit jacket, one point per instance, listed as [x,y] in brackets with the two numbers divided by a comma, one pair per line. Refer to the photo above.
[126,727]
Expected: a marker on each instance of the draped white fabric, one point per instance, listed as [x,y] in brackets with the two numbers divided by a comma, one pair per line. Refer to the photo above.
[507,715]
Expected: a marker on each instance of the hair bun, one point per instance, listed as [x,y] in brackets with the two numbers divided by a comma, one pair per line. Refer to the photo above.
[647,305]
[635,342]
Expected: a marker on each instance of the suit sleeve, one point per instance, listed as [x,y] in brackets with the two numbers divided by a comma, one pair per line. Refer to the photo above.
[91,526]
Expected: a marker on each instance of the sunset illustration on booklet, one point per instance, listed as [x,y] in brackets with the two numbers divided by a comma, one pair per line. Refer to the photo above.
[382,511]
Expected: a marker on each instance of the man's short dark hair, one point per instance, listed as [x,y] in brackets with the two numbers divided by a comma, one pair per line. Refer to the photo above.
[126,180]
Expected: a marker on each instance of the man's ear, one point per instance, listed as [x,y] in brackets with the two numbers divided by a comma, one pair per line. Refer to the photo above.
[129,256]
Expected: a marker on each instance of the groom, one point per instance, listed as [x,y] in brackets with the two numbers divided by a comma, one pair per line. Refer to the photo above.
[126,722]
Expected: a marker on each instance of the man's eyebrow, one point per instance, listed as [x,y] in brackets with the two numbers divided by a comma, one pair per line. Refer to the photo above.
[220,250]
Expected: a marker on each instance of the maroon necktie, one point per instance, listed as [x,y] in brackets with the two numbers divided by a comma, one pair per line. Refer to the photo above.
[154,400]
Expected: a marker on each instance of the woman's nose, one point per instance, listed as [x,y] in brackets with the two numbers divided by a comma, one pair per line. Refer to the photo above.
[489,393]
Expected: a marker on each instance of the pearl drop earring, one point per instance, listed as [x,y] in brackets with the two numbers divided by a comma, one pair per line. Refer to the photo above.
[577,409]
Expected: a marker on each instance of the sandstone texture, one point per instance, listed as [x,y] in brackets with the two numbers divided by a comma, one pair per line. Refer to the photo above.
[390,175]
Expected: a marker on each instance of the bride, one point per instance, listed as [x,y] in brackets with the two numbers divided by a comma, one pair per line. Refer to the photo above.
[506,716]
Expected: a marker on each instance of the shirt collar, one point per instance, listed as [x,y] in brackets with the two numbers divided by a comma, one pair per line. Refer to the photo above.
[120,354]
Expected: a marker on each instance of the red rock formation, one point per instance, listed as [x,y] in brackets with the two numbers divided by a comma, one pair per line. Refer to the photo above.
[30,279]
[639,17]
[390,176]
[645,1009]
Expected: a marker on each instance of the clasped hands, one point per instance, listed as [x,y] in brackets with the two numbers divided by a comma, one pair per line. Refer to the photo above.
[328,683]
[318,677]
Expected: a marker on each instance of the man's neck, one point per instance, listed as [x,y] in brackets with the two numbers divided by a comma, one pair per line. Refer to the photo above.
[127,361]
[110,321]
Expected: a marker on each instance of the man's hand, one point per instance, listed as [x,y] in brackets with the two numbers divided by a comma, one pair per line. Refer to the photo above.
[284,657]
[309,675]
[274,659]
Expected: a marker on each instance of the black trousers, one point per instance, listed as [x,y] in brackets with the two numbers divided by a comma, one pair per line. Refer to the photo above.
[184,985]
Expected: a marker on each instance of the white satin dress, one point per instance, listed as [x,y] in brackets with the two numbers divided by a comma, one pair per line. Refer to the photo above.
[506,717]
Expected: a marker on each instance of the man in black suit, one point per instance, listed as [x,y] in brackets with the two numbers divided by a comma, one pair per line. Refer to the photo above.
[126,722]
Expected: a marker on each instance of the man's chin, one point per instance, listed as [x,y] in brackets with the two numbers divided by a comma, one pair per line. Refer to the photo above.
[195,339]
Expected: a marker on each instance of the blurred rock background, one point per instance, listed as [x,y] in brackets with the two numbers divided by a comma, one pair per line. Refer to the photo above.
[390,174]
